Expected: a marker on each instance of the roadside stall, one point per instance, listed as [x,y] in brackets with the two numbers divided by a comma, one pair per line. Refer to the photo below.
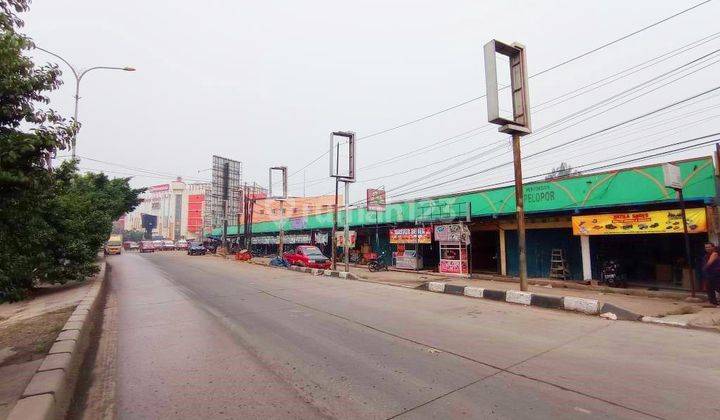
[454,240]
[402,238]
[645,248]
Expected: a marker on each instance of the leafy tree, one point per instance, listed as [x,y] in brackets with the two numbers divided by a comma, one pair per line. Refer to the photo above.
[52,223]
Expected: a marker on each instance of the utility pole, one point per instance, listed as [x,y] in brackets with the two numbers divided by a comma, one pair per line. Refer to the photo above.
[346,177]
[518,126]
[673,179]
[334,229]
[280,197]
[346,240]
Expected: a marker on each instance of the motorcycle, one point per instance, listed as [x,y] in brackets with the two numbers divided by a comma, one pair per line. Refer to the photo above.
[612,275]
[378,263]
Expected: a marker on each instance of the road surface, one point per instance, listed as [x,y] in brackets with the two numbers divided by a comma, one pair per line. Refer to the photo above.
[201,337]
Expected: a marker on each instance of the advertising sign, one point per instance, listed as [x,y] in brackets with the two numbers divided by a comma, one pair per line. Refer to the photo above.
[340,238]
[421,235]
[452,233]
[671,176]
[375,200]
[660,221]
[159,188]
[298,223]
[452,266]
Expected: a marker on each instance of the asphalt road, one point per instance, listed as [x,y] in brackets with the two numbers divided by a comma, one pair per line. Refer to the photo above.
[201,337]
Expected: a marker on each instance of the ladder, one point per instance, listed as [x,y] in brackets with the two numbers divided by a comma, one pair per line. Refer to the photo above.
[558,265]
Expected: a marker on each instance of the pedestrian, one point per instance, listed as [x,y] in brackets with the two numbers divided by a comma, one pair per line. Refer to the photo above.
[711,272]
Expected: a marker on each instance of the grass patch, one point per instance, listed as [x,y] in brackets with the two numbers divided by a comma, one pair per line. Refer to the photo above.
[32,338]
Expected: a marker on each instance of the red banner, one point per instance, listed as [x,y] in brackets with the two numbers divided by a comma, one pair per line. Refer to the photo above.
[420,235]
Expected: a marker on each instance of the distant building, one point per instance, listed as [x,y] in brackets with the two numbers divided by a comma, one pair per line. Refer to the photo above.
[180,209]
[267,209]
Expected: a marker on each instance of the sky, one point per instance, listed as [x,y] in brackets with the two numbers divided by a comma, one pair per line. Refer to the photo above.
[266,82]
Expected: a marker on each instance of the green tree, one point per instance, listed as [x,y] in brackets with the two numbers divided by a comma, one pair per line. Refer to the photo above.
[29,134]
[52,223]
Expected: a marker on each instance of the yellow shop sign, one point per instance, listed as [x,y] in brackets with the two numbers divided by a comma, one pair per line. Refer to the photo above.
[660,221]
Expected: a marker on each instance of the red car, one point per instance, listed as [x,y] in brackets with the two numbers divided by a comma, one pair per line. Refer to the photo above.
[307,256]
[147,246]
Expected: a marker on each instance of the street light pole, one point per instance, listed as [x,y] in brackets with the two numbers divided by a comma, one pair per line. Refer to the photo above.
[78,78]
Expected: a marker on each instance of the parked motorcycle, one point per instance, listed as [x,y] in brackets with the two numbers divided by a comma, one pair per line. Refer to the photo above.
[378,263]
[612,275]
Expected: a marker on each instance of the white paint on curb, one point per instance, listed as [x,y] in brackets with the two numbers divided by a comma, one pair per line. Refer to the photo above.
[436,286]
[516,296]
[344,274]
[663,321]
[587,306]
[327,273]
[471,291]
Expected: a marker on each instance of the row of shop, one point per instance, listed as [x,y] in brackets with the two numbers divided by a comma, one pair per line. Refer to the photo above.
[574,226]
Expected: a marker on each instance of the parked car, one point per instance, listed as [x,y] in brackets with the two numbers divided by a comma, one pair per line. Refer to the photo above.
[181,244]
[168,245]
[196,248]
[307,256]
[130,245]
[147,246]
[158,244]
[211,246]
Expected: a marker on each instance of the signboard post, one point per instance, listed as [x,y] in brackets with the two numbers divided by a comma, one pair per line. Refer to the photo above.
[346,175]
[376,202]
[282,170]
[518,126]
[673,180]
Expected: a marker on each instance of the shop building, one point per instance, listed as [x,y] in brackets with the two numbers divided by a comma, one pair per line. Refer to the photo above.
[574,225]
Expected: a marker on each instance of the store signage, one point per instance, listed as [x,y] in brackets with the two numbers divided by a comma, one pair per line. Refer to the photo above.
[298,223]
[375,200]
[340,238]
[452,233]
[661,221]
[158,188]
[451,266]
[671,175]
[289,239]
[321,238]
[421,235]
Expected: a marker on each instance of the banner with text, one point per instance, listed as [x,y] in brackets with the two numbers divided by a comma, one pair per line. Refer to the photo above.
[660,221]
[421,235]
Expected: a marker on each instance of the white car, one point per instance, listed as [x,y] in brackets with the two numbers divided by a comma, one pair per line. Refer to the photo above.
[168,245]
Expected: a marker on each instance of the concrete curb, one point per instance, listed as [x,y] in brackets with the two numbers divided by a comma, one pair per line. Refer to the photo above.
[50,391]
[566,303]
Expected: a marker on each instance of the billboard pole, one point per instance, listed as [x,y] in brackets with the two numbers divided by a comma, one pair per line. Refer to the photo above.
[688,253]
[346,241]
[517,126]
[333,242]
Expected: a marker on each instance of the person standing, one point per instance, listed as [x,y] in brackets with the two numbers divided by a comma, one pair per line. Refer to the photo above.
[711,272]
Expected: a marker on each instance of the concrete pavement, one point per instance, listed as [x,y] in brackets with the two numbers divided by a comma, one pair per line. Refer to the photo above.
[201,336]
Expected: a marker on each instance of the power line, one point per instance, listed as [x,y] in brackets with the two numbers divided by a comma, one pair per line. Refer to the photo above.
[461,104]
[143,170]
[655,60]
[570,141]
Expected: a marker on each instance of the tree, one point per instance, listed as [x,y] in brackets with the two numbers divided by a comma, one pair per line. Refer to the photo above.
[52,223]
[562,171]
[29,135]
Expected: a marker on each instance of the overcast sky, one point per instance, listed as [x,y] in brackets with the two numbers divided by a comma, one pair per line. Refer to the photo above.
[265,82]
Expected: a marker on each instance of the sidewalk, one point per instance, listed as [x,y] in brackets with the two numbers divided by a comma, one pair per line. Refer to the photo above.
[666,305]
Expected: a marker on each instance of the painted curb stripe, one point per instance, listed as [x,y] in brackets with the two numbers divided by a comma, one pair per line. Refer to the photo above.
[494,294]
[544,301]
[454,289]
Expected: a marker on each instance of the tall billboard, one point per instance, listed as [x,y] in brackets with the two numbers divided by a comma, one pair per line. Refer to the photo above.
[226,192]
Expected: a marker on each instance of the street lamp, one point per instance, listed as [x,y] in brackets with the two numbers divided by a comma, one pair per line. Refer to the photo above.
[78,78]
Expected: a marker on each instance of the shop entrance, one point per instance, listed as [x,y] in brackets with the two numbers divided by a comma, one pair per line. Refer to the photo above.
[485,251]
[654,260]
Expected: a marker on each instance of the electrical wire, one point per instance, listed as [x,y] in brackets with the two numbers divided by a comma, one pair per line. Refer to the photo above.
[546,70]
